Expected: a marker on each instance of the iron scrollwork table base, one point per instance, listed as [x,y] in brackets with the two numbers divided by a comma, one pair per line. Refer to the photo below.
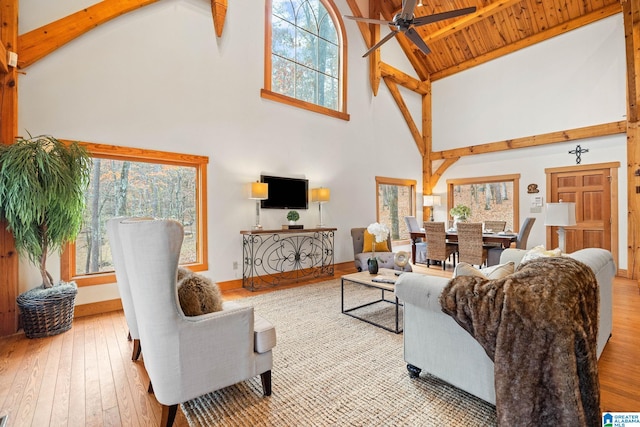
[273,257]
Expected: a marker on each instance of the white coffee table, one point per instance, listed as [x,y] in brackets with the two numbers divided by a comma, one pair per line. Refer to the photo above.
[387,279]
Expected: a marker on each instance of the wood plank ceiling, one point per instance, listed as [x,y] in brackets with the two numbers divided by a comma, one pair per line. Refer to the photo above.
[495,29]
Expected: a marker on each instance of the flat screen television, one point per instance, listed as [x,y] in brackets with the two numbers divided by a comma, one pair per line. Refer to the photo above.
[286,193]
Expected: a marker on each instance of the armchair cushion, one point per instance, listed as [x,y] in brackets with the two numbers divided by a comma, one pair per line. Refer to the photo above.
[494,272]
[369,240]
[198,295]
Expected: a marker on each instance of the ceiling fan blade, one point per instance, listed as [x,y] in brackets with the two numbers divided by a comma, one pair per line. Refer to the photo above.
[368,20]
[423,20]
[408,6]
[380,43]
[417,40]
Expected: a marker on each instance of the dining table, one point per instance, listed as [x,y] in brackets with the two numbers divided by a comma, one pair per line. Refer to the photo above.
[503,238]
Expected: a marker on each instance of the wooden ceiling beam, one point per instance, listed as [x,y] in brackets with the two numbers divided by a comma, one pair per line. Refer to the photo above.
[599,14]
[374,57]
[38,43]
[613,128]
[404,79]
[471,19]
[364,28]
[219,12]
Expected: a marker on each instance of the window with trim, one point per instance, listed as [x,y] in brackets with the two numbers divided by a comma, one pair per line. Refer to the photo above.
[395,199]
[489,198]
[305,52]
[128,182]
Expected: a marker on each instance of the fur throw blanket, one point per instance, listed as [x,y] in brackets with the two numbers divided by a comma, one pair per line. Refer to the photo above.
[539,326]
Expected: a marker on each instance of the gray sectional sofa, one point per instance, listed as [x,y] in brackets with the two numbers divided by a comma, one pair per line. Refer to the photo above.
[436,344]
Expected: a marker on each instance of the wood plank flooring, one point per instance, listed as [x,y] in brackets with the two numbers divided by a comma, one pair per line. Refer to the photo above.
[85,377]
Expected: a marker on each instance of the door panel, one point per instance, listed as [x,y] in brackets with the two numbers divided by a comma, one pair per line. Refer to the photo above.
[591,192]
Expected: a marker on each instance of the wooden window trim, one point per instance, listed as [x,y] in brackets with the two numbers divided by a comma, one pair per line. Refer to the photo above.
[515,178]
[381,180]
[267,93]
[68,256]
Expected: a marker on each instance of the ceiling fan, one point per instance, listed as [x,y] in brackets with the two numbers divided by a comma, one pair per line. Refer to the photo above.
[405,22]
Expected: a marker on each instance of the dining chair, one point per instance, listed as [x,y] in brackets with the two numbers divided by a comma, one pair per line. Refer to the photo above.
[523,235]
[495,226]
[471,248]
[437,247]
[421,245]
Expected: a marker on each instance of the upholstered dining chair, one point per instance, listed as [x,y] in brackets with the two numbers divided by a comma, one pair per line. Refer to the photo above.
[495,226]
[437,247]
[186,357]
[523,234]
[421,244]
[521,242]
[123,282]
[471,249]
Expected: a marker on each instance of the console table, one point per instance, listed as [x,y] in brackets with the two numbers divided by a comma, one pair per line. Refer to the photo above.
[273,257]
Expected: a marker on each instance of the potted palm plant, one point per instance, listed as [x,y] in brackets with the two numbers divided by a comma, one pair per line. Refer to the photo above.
[42,184]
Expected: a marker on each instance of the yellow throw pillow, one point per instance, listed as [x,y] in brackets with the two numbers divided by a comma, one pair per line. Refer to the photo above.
[369,239]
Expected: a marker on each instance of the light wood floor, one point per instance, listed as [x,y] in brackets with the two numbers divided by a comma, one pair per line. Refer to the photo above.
[85,377]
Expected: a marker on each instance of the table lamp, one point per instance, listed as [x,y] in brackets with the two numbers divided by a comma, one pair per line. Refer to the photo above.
[431,201]
[259,191]
[320,195]
[560,215]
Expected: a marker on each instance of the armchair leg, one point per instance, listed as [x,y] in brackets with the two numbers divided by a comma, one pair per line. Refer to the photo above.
[266,383]
[168,415]
[136,350]
[150,389]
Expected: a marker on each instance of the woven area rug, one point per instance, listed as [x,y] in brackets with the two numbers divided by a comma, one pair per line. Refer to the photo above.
[330,369]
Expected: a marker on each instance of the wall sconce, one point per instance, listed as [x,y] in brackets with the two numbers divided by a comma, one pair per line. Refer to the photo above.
[560,215]
[259,191]
[320,195]
[431,201]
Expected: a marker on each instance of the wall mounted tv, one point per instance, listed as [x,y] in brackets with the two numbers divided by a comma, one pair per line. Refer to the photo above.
[286,193]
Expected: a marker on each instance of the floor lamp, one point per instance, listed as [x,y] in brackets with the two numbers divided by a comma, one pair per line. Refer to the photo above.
[259,191]
[431,201]
[560,215]
[320,195]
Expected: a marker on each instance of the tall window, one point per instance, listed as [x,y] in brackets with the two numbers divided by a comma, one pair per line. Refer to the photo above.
[395,199]
[147,183]
[489,198]
[304,56]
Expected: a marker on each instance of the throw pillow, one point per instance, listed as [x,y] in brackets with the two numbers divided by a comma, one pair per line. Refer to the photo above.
[540,252]
[198,295]
[370,239]
[494,272]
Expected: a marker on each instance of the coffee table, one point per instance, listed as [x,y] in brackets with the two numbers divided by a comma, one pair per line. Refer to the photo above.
[387,284]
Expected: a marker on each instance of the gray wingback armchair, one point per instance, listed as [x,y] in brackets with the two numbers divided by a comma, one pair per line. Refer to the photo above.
[385,259]
[187,357]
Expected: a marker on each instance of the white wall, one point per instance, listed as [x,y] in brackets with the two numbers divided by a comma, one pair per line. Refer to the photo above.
[570,81]
[159,78]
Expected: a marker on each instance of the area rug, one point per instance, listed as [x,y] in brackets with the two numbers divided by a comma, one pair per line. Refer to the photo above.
[330,369]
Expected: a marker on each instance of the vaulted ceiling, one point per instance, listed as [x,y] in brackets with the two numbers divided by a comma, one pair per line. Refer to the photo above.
[495,29]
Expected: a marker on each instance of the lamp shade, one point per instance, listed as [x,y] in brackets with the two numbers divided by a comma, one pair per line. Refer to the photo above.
[560,214]
[431,200]
[259,191]
[320,194]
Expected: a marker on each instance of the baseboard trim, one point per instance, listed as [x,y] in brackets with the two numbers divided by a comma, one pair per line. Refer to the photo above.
[99,307]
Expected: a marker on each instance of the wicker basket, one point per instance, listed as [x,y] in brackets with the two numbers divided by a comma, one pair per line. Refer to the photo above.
[46,312]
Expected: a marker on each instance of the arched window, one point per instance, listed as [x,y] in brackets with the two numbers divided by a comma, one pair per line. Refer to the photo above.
[305,53]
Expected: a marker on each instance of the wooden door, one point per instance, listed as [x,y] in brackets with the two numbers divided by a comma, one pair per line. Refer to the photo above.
[591,188]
